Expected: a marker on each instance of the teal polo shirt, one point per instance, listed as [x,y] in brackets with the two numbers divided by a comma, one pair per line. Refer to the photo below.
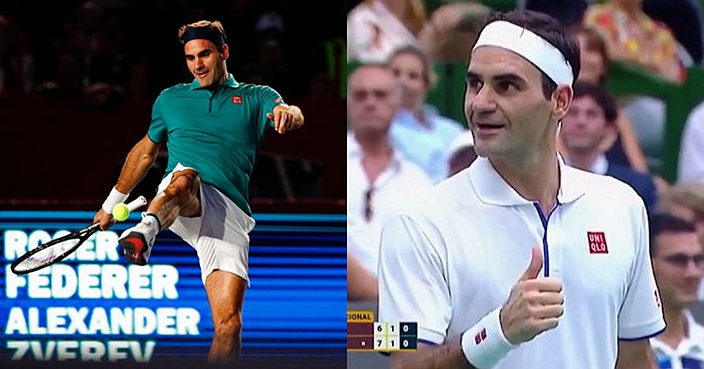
[217,133]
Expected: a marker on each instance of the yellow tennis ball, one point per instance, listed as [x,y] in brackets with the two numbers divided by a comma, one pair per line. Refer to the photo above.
[120,212]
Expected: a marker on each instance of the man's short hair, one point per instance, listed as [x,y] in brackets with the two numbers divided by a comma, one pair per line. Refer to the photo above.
[549,29]
[594,43]
[396,90]
[665,223]
[606,102]
[688,194]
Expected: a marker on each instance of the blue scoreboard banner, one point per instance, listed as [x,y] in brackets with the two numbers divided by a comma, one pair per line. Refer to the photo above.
[94,306]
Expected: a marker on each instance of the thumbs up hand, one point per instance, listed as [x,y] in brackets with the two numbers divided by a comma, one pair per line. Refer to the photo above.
[534,305]
[536,264]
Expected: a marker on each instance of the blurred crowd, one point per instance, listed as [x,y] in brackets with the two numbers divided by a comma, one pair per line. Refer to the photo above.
[106,49]
[399,142]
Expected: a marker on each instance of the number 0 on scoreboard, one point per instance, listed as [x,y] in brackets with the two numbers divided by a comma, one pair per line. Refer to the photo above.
[364,334]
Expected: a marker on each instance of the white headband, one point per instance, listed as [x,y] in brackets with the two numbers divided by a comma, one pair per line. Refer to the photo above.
[527,44]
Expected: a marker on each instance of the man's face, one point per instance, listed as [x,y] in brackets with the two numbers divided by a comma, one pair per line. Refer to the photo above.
[584,127]
[205,61]
[505,105]
[592,62]
[373,100]
[678,267]
[409,71]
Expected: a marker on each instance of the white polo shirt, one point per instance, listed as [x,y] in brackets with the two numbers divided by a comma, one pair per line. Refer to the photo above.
[689,354]
[455,258]
[400,180]
[691,165]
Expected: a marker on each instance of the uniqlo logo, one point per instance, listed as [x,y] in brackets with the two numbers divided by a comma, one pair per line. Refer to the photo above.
[597,243]
[479,337]
[237,99]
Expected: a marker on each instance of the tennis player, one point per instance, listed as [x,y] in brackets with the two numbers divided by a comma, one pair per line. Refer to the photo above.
[212,128]
[520,261]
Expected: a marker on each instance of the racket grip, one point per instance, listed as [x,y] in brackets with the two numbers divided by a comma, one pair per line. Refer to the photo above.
[137,203]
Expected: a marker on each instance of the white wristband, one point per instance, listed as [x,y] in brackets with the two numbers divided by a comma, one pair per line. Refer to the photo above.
[115,197]
[484,344]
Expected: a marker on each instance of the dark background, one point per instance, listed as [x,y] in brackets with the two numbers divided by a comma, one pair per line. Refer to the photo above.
[77,81]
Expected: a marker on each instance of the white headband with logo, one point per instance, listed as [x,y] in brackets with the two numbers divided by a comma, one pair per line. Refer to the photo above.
[527,44]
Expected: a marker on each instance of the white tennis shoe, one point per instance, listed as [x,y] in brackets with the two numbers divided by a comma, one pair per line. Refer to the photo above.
[137,241]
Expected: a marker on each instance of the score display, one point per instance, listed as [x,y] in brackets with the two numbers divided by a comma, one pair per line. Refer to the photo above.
[366,335]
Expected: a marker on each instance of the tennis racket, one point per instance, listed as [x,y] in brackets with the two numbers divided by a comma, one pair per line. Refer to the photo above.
[57,249]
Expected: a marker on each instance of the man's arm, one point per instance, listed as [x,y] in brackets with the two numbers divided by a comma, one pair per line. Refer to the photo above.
[691,167]
[137,164]
[448,356]
[533,306]
[635,355]
[139,160]
[640,313]
[361,285]
[286,118]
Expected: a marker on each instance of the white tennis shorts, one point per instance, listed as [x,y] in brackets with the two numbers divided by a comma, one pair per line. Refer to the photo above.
[220,235]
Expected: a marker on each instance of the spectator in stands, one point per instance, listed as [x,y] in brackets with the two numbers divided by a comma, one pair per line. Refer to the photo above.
[462,153]
[378,178]
[7,72]
[84,34]
[321,87]
[112,57]
[691,161]
[451,28]
[67,82]
[16,60]
[46,27]
[621,145]
[594,55]
[139,84]
[375,28]
[419,132]
[634,37]
[685,200]
[161,16]
[569,12]
[272,57]
[590,117]
[678,262]
[682,17]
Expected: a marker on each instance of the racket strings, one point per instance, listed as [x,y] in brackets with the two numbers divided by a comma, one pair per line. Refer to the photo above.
[46,255]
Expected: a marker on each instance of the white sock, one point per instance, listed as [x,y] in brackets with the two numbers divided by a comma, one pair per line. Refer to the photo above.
[151,221]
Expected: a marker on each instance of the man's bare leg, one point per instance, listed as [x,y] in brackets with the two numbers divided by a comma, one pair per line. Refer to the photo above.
[181,197]
[225,290]
[225,294]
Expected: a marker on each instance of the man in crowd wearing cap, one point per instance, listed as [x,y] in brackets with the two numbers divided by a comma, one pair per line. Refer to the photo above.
[212,128]
[521,261]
